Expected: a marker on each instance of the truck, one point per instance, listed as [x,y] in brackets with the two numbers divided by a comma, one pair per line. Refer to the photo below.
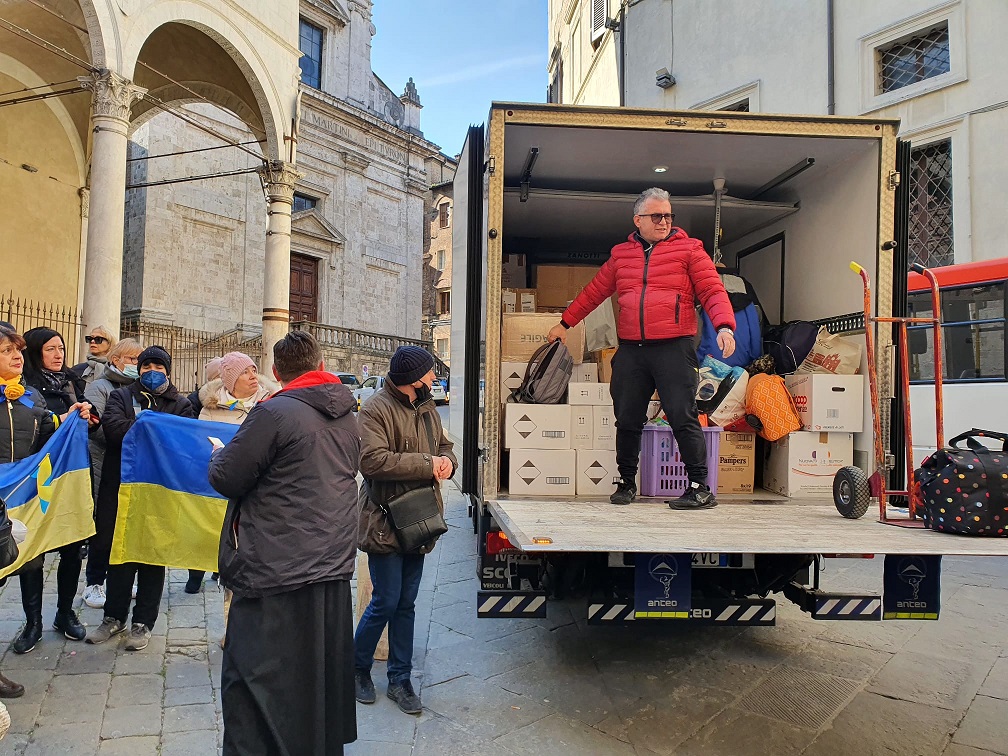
[788,201]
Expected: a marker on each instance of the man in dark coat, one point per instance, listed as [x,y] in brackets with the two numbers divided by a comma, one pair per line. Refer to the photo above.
[153,391]
[287,551]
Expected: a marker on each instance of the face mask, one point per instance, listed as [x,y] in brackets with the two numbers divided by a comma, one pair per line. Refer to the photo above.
[423,392]
[130,371]
[154,381]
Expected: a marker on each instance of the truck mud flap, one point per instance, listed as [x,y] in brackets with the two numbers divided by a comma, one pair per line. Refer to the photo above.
[758,612]
[528,604]
[842,606]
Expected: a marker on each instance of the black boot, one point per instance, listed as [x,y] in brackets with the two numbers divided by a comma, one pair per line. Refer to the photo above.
[66,622]
[31,601]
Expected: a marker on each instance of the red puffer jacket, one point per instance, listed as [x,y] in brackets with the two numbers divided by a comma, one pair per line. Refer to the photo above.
[656,291]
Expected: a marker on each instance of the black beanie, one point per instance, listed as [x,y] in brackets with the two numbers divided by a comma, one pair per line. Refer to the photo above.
[410,364]
[155,354]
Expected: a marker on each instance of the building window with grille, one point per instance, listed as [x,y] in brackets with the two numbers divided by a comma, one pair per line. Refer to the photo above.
[442,348]
[303,202]
[311,54]
[443,214]
[440,259]
[917,58]
[931,204]
[444,302]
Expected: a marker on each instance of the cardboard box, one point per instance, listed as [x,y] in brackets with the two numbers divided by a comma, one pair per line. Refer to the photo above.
[557,285]
[605,428]
[522,333]
[511,376]
[541,472]
[537,426]
[828,402]
[595,472]
[518,300]
[514,272]
[586,372]
[582,427]
[588,393]
[804,463]
[737,465]
[605,365]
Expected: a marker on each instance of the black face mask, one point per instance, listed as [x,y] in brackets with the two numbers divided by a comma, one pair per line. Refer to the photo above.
[423,393]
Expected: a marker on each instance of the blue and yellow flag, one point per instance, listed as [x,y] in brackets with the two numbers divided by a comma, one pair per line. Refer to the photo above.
[168,512]
[50,492]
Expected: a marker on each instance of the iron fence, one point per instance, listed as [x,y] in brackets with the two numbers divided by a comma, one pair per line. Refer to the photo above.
[25,314]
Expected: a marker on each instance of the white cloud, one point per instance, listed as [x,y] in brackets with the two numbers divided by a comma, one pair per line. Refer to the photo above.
[478,72]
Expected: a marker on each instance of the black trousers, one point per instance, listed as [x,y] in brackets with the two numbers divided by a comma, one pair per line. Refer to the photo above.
[670,367]
[118,593]
[100,545]
[67,574]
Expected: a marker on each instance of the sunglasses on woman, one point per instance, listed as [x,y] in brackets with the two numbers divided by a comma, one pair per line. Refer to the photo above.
[95,339]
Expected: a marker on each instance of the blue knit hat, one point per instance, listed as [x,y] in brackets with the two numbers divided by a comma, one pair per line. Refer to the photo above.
[410,364]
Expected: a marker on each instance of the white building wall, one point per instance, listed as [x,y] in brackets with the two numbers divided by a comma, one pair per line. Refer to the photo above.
[775,52]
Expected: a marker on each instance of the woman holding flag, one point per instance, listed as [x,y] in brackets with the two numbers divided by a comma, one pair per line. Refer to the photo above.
[152,392]
[25,426]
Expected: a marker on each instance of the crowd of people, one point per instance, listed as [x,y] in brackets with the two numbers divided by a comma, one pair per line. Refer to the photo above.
[295,520]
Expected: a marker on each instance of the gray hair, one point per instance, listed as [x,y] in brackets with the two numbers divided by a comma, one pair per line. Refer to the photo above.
[653,193]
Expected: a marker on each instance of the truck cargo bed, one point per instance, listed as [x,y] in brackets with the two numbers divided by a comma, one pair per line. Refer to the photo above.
[758,524]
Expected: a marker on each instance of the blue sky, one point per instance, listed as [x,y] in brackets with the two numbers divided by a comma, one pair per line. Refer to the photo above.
[462,55]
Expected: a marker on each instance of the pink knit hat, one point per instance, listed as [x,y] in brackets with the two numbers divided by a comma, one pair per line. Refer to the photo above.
[232,365]
[211,370]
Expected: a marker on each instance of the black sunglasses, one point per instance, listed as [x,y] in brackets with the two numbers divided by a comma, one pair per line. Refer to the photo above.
[95,339]
[657,218]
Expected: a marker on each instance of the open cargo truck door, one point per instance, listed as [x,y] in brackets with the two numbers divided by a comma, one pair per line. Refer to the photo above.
[559,189]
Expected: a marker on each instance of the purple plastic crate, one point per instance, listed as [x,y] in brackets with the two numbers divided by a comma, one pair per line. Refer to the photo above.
[662,470]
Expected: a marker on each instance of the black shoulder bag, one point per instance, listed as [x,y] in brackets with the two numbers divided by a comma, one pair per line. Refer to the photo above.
[415,515]
[8,546]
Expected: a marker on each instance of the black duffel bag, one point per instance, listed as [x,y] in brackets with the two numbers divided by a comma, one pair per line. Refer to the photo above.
[965,490]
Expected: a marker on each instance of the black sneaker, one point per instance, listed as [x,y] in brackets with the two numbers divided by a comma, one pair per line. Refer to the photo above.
[194,584]
[404,696]
[29,637]
[697,496]
[68,624]
[364,690]
[625,492]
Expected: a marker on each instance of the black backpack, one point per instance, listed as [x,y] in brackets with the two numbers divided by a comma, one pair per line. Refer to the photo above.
[546,377]
[965,491]
[789,344]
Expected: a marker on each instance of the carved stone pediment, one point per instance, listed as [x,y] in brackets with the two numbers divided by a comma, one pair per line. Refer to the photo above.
[311,224]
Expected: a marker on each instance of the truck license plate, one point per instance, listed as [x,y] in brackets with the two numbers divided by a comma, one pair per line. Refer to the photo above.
[724,561]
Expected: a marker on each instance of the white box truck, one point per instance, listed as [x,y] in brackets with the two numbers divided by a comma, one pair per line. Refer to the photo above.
[789,201]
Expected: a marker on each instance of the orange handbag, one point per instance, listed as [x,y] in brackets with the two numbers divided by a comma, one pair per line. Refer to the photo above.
[768,399]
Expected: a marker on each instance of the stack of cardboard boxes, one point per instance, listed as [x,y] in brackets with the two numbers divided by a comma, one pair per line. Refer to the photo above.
[561,449]
[831,410]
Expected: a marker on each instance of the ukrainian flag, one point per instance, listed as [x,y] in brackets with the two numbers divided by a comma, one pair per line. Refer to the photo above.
[50,492]
[168,512]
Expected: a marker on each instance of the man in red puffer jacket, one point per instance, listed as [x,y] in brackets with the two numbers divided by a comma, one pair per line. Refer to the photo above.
[657,273]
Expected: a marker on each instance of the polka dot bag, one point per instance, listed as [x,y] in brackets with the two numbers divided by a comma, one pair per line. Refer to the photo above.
[965,490]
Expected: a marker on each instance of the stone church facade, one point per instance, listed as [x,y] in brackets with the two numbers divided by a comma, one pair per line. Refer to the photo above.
[195,250]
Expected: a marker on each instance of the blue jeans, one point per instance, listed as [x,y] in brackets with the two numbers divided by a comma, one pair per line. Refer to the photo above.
[396,581]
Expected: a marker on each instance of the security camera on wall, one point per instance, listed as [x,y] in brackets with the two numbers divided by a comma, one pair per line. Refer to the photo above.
[664,79]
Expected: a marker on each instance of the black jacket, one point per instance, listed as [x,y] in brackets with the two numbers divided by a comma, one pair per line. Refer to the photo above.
[58,400]
[118,418]
[290,475]
[25,426]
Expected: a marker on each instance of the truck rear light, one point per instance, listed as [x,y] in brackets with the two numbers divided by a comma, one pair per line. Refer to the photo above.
[497,543]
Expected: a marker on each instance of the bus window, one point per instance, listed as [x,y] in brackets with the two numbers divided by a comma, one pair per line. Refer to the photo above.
[973,333]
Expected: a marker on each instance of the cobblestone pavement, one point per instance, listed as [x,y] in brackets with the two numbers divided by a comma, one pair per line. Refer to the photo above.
[557,686]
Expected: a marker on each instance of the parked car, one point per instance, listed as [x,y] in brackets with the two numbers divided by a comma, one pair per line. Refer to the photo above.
[349,380]
[438,393]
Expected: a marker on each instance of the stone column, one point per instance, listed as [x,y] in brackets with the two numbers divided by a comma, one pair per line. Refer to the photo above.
[278,180]
[85,199]
[112,98]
